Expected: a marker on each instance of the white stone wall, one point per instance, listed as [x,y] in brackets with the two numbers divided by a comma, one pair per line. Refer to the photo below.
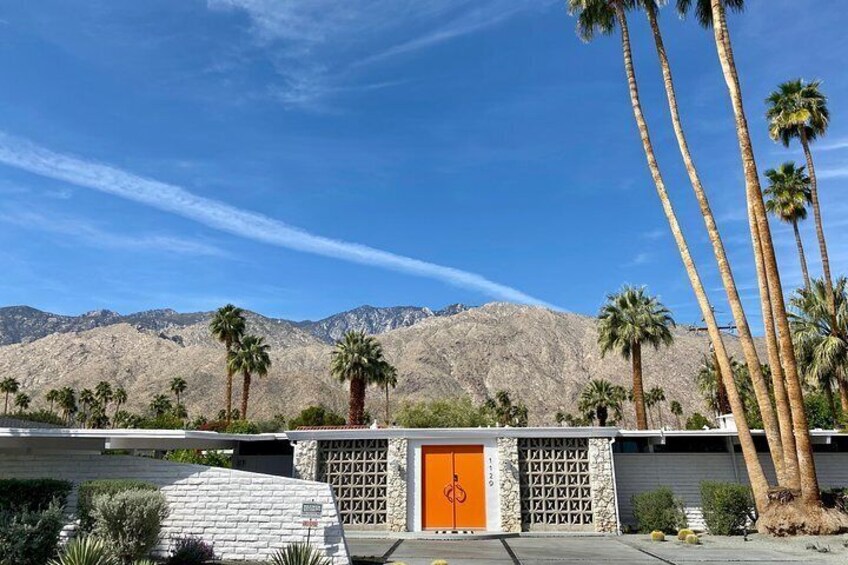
[602,485]
[396,485]
[246,516]
[509,489]
[306,460]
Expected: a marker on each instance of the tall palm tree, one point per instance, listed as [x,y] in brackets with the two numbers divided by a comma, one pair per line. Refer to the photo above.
[778,429]
[677,410]
[103,393]
[22,401]
[160,405]
[178,386]
[788,196]
[52,396]
[657,396]
[629,319]
[602,16]
[822,349]
[251,358]
[119,398]
[227,326]
[600,396]
[713,13]
[798,109]
[68,403]
[356,359]
[86,400]
[9,386]
[387,377]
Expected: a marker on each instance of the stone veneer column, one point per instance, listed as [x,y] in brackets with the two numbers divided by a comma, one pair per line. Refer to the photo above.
[306,460]
[509,490]
[396,485]
[602,485]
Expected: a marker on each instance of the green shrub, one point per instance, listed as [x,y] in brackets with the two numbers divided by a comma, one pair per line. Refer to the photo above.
[697,421]
[43,416]
[191,551]
[657,535]
[86,550]
[448,413]
[89,489]
[29,537]
[692,539]
[298,554]
[312,416]
[658,510]
[681,534]
[198,457]
[129,521]
[242,427]
[32,494]
[727,507]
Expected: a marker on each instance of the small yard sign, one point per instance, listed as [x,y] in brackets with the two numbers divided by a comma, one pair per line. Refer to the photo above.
[311,509]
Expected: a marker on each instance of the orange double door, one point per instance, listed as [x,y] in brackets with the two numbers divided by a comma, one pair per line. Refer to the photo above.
[453,487]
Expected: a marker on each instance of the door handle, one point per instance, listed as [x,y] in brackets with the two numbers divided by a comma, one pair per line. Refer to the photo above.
[448,492]
[461,495]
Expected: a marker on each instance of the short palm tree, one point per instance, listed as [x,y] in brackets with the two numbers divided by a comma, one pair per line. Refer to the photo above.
[677,410]
[178,386]
[8,386]
[103,393]
[86,400]
[227,326]
[160,405]
[506,412]
[630,319]
[798,110]
[68,403]
[656,396]
[387,377]
[822,349]
[356,359]
[600,396]
[788,195]
[119,397]
[251,358]
[22,401]
[51,396]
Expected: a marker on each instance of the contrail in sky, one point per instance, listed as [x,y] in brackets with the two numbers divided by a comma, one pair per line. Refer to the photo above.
[25,155]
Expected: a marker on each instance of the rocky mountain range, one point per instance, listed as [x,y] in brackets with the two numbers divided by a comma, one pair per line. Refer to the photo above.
[542,357]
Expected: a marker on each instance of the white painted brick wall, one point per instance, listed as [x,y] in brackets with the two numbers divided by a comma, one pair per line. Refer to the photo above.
[246,516]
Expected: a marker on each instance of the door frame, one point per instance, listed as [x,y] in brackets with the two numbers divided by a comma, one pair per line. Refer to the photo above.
[491,479]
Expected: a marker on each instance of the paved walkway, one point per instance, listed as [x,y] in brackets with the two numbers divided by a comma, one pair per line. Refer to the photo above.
[587,550]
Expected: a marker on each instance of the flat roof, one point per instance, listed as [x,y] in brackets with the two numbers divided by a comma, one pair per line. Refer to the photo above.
[75,438]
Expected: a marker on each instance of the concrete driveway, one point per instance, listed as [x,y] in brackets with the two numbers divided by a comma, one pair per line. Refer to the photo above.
[586,550]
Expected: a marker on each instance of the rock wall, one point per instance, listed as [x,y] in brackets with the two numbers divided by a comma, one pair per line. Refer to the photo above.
[602,485]
[509,489]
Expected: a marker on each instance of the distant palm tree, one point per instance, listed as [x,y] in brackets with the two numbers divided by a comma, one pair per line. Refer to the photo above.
[788,196]
[655,397]
[22,401]
[227,326]
[8,386]
[68,403]
[676,409]
[103,393]
[798,110]
[178,386]
[87,399]
[251,358]
[387,377]
[356,359]
[598,397]
[629,319]
[160,405]
[822,349]
[119,398]
[506,412]
[52,396]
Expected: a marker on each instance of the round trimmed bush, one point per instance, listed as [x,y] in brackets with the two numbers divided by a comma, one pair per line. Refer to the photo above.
[657,535]
[684,533]
[692,539]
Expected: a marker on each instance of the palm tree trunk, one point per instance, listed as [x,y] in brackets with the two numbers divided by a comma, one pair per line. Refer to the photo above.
[660,414]
[827,387]
[356,413]
[776,433]
[814,197]
[759,483]
[245,394]
[801,255]
[602,414]
[388,421]
[6,407]
[229,393]
[638,387]
[759,223]
[843,392]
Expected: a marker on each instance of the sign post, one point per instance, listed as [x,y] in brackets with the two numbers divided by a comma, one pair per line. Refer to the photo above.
[310,512]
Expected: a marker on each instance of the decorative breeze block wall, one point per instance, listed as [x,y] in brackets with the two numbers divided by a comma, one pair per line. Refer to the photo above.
[554,483]
[357,470]
[245,516]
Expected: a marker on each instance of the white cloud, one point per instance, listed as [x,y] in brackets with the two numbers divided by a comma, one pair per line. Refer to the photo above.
[832,145]
[832,172]
[316,46]
[25,155]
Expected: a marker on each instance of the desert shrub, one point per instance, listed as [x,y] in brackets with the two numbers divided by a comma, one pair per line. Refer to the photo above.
[451,413]
[727,507]
[274,425]
[692,539]
[167,421]
[818,411]
[191,551]
[43,416]
[312,416]
[683,533]
[198,457]
[298,554]
[89,489]
[32,494]
[658,510]
[242,427]
[129,521]
[697,421]
[657,535]
[29,536]
[85,550]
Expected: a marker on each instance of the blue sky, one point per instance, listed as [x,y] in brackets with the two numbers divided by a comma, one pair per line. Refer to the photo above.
[302,158]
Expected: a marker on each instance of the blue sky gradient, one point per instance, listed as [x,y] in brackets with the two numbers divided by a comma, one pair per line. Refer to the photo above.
[302,158]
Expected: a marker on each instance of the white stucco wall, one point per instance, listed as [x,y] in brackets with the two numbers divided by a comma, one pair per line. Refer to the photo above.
[246,516]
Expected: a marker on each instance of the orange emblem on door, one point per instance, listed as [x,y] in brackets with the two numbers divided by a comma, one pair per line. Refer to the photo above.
[454,489]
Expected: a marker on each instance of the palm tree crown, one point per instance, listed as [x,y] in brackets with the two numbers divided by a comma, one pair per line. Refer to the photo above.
[599,396]
[251,358]
[788,192]
[797,109]
[633,317]
[9,386]
[703,10]
[227,326]
[357,359]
